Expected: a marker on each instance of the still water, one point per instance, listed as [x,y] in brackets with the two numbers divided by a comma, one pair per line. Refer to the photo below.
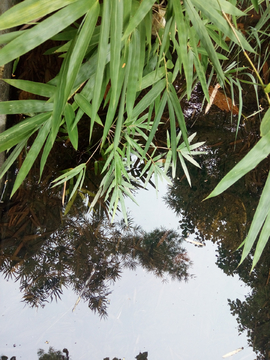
[168,319]
[145,289]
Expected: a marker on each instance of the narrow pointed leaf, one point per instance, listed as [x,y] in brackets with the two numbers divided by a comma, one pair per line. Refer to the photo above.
[117,19]
[32,155]
[24,106]
[102,54]
[21,131]
[260,215]
[29,10]
[72,131]
[144,8]
[32,87]
[43,31]
[156,122]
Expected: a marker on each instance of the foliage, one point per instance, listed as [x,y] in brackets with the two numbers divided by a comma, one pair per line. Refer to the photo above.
[115,57]
[52,354]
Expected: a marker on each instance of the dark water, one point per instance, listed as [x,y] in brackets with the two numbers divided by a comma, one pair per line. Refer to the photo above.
[167,287]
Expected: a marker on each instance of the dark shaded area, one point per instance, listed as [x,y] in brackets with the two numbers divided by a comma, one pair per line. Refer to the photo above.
[225,220]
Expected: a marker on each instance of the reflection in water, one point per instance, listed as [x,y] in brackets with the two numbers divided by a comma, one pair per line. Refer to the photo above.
[85,254]
[58,355]
[225,221]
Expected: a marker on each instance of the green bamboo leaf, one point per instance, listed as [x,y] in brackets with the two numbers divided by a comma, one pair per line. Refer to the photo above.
[260,215]
[179,114]
[173,137]
[142,34]
[221,23]
[165,40]
[32,87]
[226,6]
[265,124]
[43,31]
[119,121]
[32,155]
[182,50]
[6,38]
[199,68]
[21,131]
[12,157]
[149,98]
[87,92]
[263,239]
[102,55]
[116,34]
[24,106]
[30,10]
[86,107]
[259,152]
[68,72]
[156,122]
[184,167]
[144,8]
[68,175]
[81,45]
[133,76]
[134,144]
[204,37]
[151,78]
[113,107]
[72,131]
[78,183]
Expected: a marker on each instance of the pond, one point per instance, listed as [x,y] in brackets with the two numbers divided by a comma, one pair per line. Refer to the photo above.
[168,319]
[167,285]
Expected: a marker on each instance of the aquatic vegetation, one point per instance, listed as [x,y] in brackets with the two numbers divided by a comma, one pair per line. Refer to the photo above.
[124,57]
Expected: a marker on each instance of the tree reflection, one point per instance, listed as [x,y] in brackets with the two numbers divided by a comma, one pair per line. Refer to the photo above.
[53,354]
[225,221]
[87,254]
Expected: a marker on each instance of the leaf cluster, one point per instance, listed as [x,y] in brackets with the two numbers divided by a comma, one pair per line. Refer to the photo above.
[123,55]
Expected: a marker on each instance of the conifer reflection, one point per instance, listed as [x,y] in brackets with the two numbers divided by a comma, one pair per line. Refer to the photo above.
[87,255]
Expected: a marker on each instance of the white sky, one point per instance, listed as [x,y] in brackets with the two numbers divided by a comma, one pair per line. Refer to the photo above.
[185,321]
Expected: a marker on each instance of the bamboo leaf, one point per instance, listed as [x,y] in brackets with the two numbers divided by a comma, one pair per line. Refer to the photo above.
[173,137]
[182,51]
[86,107]
[263,239]
[204,37]
[29,10]
[72,131]
[12,157]
[24,106]
[149,98]
[32,87]
[102,55]
[68,175]
[179,114]
[21,131]
[156,122]
[265,124]
[133,76]
[144,8]
[259,152]
[43,31]
[116,34]
[260,215]
[32,155]
[221,23]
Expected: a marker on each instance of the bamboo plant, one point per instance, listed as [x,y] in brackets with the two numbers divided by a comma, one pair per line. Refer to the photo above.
[136,49]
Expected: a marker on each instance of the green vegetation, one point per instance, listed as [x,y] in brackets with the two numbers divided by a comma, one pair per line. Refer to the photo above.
[125,56]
